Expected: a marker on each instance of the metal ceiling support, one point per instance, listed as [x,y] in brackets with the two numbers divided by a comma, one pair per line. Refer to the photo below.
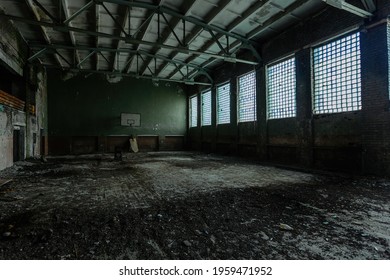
[174,13]
[76,70]
[203,73]
[369,5]
[116,22]
[110,50]
[43,29]
[65,8]
[173,31]
[44,10]
[65,28]
[63,58]
[174,22]
[76,14]
[250,11]
[210,17]
[144,24]
[341,4]
[97,18]
[85,59]
[105,58]
[123,25]
[37,54]
[147,66]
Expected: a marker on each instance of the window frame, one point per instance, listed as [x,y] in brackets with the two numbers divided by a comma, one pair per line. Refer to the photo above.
[195,96]
[274,63]
[217,102]
[238,97]
[201,107]
[337,110]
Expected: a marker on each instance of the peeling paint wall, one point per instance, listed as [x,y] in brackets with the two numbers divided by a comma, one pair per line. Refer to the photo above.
[85,113]
[29,85]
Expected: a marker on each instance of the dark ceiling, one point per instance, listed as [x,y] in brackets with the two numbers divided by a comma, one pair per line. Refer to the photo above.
[175,40]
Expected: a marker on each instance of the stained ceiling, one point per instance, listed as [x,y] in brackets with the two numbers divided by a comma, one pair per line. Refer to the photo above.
[174,40]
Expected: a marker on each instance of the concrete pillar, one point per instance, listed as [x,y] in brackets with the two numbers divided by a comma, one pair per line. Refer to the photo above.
[375,100]
[304,107]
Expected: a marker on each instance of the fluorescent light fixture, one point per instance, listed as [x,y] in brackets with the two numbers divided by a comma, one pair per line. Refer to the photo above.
[341,4]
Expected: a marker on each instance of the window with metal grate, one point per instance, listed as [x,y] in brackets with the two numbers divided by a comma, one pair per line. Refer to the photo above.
[223,104]
[388,49]
[206,108]
[194,111]
[281,81]
[247,97]
[337,76]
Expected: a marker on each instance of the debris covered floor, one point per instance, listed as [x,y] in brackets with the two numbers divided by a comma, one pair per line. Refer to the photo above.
[188,206]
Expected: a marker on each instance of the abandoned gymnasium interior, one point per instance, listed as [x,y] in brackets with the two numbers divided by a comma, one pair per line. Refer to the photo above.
[194,129]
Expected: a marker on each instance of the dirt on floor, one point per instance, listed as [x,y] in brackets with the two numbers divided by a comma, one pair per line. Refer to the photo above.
[188,206]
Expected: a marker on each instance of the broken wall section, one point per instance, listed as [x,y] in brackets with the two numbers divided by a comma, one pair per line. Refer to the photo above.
[21,127]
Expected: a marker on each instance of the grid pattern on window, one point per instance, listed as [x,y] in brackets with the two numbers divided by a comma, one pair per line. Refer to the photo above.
[206,108]
[388,49]
[194,111]
[223,104]
[247,97]
[337,76]
[281,82]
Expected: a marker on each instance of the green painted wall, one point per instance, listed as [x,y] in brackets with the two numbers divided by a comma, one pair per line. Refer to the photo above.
[92,106]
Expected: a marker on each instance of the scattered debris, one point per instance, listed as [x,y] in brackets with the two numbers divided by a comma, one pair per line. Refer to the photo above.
[264,236]
[187,206]
[285,227]
[3,182]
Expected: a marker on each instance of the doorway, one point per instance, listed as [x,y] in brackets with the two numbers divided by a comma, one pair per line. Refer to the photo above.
[18,144]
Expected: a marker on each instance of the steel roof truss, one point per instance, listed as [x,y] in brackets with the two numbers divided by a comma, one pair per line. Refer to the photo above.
[45,11]
[116,22]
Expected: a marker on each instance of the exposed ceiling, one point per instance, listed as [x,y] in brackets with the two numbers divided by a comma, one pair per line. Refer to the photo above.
[175,40]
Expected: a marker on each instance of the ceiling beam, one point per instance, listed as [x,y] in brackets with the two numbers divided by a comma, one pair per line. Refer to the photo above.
[166,34]
[290,9]
[369,5]
[65,8]
[42,47]
[179,15]
[81,10]
[64,28]
[123,25]
[239,20]
[210,17]
[37,17]
[142,31]
[97,24]
[77,70]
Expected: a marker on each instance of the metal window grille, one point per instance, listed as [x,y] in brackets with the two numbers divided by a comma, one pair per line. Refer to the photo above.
[206,108]
[194,111]
[281,81]
[247,97]
[337,76]
[388,49]
[223,104]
